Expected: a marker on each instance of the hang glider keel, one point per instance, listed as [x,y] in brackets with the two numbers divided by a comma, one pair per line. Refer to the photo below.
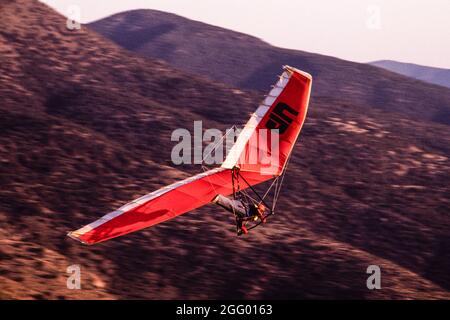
[282,113]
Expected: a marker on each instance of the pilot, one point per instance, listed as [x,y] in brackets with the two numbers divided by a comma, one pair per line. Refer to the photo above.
[254,212]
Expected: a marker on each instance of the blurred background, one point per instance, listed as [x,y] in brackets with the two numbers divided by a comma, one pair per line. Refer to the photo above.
[87,110]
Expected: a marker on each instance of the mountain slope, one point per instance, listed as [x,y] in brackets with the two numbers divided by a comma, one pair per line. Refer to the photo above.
[247,62]
[85,126]
[437,76]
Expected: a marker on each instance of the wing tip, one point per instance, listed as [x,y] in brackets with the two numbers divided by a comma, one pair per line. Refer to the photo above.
[303,73]
[72,235]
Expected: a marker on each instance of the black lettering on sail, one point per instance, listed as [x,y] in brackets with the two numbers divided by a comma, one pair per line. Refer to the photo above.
[281,117]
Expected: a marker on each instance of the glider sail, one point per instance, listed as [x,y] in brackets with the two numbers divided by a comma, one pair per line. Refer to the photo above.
[283,109]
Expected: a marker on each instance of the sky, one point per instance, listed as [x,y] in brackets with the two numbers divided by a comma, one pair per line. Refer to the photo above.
[416,31]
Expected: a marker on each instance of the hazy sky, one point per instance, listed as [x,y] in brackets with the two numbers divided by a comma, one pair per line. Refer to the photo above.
[415,31]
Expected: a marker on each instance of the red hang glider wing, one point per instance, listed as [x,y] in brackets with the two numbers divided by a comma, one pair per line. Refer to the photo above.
[293,90]
[162,205]
[284,108]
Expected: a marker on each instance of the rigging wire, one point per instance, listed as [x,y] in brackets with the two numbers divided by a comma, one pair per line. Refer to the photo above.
[217,144]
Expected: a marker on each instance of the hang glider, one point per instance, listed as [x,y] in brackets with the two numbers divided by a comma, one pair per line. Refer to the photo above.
[283,112]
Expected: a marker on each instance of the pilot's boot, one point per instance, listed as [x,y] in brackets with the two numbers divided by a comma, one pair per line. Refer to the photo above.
[241,229]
